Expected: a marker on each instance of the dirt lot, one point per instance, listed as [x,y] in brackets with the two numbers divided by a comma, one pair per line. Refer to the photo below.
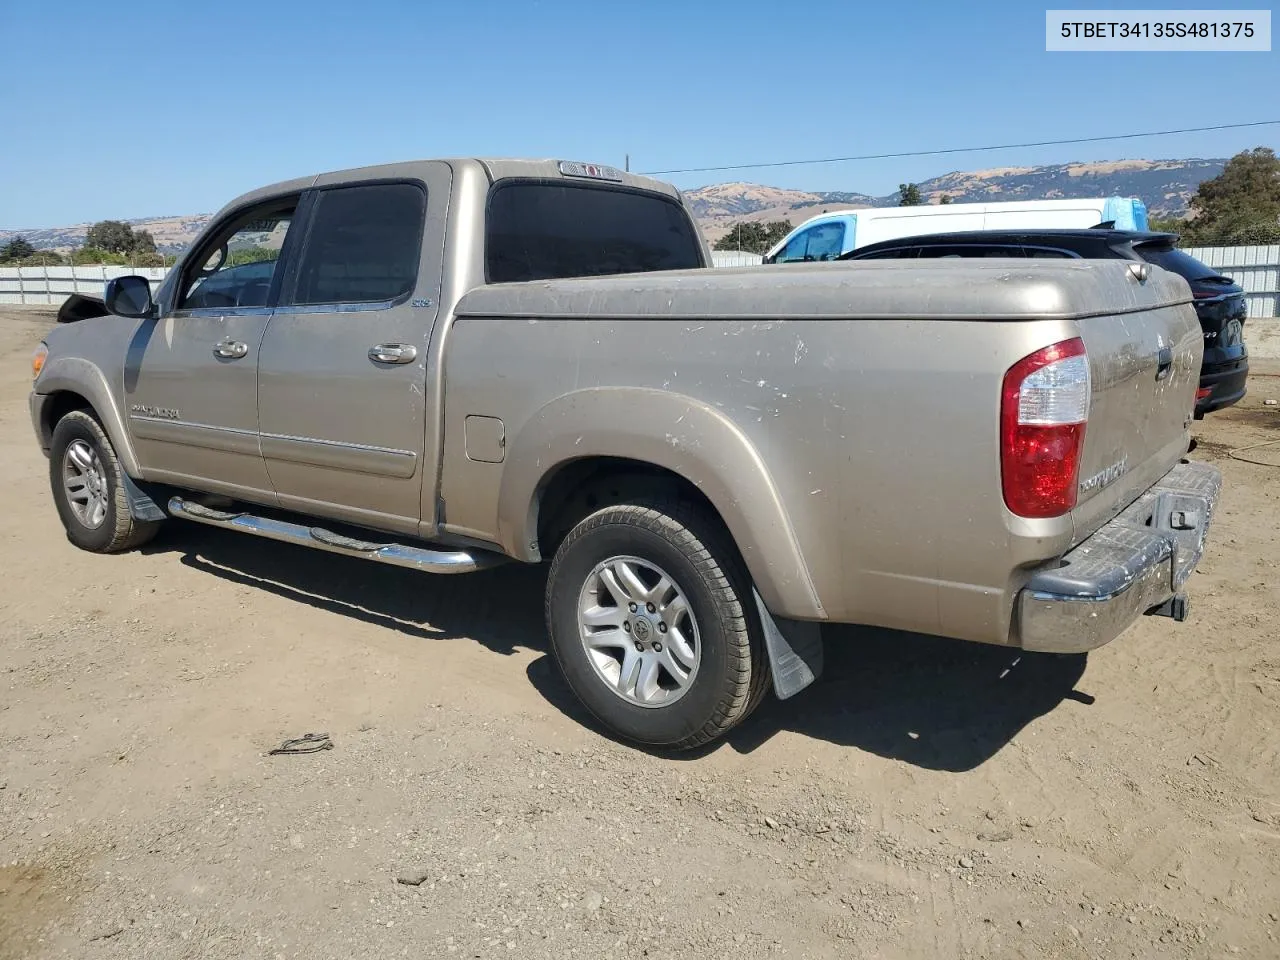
[927,799]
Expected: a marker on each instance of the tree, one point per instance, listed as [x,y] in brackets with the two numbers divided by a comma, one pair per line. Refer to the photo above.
[250,255]
[1241,204]
[16,249]
[908,195]
[96,255]
[42,258]
[143,242]
[944,199]
[110,235]
[753,236]
[117,237]
[1167,224]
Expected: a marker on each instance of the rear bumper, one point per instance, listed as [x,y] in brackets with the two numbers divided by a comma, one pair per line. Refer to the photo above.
[1227,383]
[1135,563]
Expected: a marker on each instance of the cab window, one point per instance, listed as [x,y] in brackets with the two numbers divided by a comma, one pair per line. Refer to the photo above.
[236,268]
[362,246]
[822,241]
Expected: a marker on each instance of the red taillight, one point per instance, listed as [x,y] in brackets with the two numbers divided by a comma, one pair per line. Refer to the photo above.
[1044,406]
[1203,392]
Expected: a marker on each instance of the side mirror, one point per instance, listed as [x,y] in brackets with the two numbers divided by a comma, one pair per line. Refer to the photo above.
[129,297]
[769,259]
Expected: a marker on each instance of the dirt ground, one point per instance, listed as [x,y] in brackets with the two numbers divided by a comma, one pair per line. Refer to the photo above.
[927,799]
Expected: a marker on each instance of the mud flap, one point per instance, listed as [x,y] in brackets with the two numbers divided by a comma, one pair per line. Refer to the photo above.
[795,651]
[141,506]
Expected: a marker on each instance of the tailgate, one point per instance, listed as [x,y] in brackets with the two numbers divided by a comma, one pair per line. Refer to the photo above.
[1222,319]
[1145,366]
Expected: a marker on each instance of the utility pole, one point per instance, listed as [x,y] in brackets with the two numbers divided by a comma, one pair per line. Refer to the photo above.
[627,163]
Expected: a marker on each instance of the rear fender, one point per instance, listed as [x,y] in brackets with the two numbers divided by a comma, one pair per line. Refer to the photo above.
[676,433]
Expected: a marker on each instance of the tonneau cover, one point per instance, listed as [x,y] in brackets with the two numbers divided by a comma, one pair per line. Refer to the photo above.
[962,289]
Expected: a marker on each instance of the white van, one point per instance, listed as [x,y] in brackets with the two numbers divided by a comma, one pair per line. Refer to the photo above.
[827,236]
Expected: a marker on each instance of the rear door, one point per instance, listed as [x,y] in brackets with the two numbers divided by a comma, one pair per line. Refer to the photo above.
[342,375]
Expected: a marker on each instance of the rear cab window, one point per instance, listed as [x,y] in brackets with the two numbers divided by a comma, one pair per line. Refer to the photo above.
[549,229]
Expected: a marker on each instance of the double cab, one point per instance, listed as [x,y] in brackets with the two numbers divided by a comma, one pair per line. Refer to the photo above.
[450,364]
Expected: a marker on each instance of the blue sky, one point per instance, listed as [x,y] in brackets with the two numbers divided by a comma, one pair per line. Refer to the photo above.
[153,108]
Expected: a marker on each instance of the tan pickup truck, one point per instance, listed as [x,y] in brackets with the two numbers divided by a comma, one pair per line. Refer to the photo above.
[448,364]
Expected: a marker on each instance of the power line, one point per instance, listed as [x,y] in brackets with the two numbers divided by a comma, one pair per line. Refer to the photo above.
[935,153]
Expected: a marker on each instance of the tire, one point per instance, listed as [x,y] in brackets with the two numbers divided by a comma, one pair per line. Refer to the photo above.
[96,516]
[686,701]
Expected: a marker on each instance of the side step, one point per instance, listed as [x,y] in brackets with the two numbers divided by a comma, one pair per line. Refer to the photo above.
[395,554]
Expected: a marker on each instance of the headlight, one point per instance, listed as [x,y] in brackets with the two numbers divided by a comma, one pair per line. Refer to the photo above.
[38,359]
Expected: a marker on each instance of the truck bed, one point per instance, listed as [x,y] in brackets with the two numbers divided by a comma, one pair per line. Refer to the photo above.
[870,395]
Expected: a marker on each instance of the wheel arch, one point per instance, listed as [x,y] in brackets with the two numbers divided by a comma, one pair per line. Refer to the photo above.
[71,383]
[574,489]
[589,435]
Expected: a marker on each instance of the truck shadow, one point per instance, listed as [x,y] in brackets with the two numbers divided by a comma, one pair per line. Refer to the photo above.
[930,702]
[499,608]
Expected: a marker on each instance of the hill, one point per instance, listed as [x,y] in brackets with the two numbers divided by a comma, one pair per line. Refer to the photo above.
[1166,186]
[172,234]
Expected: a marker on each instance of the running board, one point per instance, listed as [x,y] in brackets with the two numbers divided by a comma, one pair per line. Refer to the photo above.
[395,554]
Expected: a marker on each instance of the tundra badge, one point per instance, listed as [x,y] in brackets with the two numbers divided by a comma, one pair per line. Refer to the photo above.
[1104,477]
[164,413]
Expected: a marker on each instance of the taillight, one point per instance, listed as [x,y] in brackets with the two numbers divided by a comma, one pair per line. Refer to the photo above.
[1044,406]
[1203,393]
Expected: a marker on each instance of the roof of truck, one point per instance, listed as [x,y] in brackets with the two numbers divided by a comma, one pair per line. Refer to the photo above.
[495,168]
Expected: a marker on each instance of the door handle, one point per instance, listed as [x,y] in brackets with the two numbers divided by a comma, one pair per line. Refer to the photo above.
[1164,362]
[231,349]
[393,353]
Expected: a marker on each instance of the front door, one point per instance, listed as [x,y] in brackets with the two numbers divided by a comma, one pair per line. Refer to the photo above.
[191,375]
[342,374]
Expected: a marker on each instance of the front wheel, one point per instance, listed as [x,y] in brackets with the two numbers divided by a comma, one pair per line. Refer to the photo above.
[88,488]
[650,620]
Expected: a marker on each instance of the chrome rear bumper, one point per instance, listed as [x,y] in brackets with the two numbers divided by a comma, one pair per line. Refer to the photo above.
[1134,564]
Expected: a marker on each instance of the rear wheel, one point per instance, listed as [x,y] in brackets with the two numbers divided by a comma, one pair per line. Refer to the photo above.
[650,620]
[88,488]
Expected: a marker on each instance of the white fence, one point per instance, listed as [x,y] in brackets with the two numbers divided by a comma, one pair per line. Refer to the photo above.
[1257,269]
[54,284]
[735,258]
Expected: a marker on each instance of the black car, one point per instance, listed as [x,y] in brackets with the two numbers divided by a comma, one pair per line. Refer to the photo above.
[1219,300]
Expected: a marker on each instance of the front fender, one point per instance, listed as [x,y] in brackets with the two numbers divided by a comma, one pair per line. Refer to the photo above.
[79,376]
[685,436]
